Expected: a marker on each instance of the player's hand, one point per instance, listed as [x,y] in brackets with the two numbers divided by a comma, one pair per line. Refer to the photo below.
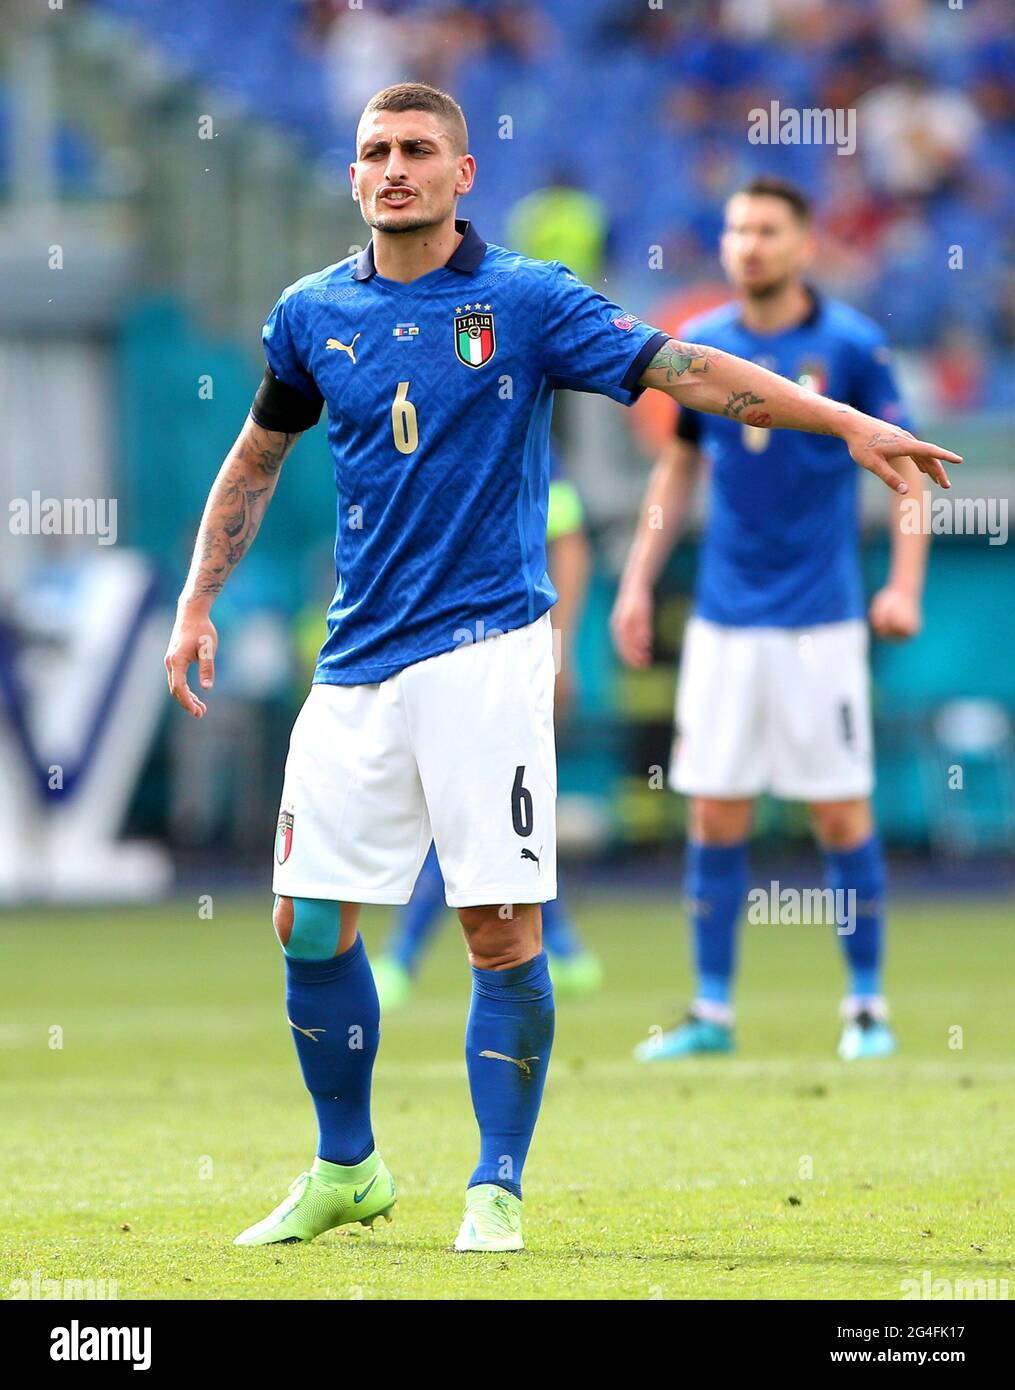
[895,613]
[631,625]
[193,639]
[874,443]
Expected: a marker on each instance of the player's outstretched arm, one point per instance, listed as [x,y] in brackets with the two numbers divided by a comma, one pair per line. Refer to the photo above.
[721,384]
[667,498]
[238,500]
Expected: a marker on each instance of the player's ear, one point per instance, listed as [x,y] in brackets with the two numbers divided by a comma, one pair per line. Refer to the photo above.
[466,174]
[352,180]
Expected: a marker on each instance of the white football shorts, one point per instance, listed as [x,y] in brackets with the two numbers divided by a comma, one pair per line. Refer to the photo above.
[782,710]
[458,748]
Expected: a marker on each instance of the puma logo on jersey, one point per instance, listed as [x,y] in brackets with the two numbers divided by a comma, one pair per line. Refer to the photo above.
[307,1032]
[527,854]
[350,348]
[522,1063]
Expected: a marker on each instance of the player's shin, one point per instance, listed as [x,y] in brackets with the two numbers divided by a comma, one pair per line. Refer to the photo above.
[332,1009]
[715,885]
[857,879]
[507,1048]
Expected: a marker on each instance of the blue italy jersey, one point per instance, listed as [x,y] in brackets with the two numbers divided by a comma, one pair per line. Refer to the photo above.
[781,541]
[439,395]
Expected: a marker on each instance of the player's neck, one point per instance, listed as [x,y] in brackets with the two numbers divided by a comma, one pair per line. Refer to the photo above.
[405,256]
[775,313]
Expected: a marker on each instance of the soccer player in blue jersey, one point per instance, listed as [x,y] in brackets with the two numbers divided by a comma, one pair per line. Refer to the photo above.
[773,692]
[431,711]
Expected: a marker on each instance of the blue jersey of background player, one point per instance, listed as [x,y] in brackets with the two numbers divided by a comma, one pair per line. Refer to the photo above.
[779,547]
[773,692]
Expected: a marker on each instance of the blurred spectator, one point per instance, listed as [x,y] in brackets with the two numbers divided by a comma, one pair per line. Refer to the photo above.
[914,138]
[648,109]
[561,223]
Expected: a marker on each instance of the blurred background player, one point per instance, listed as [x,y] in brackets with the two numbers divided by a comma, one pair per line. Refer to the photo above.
[574,969]
[773,693]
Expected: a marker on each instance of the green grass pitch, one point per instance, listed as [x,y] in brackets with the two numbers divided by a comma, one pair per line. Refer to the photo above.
[173,1115]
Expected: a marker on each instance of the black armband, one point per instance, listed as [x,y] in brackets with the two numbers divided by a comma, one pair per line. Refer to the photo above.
[280,407]
[688,425]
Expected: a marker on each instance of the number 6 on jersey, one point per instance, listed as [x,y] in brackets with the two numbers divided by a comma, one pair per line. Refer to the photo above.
[403,421]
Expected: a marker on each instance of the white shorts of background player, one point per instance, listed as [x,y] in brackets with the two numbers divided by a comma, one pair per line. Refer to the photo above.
[782,710]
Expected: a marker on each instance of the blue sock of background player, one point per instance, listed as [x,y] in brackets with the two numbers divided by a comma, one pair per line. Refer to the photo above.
[862,870]
[560,937]
[715,885]
[416,923]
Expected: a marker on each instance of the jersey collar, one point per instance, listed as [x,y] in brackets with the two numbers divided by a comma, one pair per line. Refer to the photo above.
[466,257]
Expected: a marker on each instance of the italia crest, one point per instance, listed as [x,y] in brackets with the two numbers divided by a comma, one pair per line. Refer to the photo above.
[284,836]
[475,335]
[814,376]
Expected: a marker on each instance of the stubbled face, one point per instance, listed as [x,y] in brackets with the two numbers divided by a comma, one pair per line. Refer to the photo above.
[407,175]
[765,246]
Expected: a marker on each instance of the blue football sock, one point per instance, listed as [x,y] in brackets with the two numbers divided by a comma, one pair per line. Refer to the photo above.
[507,1050]
[332,1009]
[715,882]
[861,870]
[559,934]
[418,920]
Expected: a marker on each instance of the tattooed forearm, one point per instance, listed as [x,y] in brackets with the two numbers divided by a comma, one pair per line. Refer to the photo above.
[835,429]
[230,524]
[675,358]
[236,504]
[738,401]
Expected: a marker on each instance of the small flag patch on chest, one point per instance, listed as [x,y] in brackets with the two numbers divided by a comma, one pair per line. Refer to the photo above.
[475,336]
[405,330]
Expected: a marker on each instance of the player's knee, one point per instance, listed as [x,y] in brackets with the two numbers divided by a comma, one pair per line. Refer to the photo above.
[842,824]
[308,928]
[498,938]
[282,919]
[719,822]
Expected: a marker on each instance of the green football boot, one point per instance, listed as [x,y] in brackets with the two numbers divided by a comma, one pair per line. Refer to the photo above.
[327,1196]
[492,1221]
[393,981]
[576,976]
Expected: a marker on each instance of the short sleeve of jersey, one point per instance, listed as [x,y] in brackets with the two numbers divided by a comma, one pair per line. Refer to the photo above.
[588,343]
[875,390]
[280,340]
